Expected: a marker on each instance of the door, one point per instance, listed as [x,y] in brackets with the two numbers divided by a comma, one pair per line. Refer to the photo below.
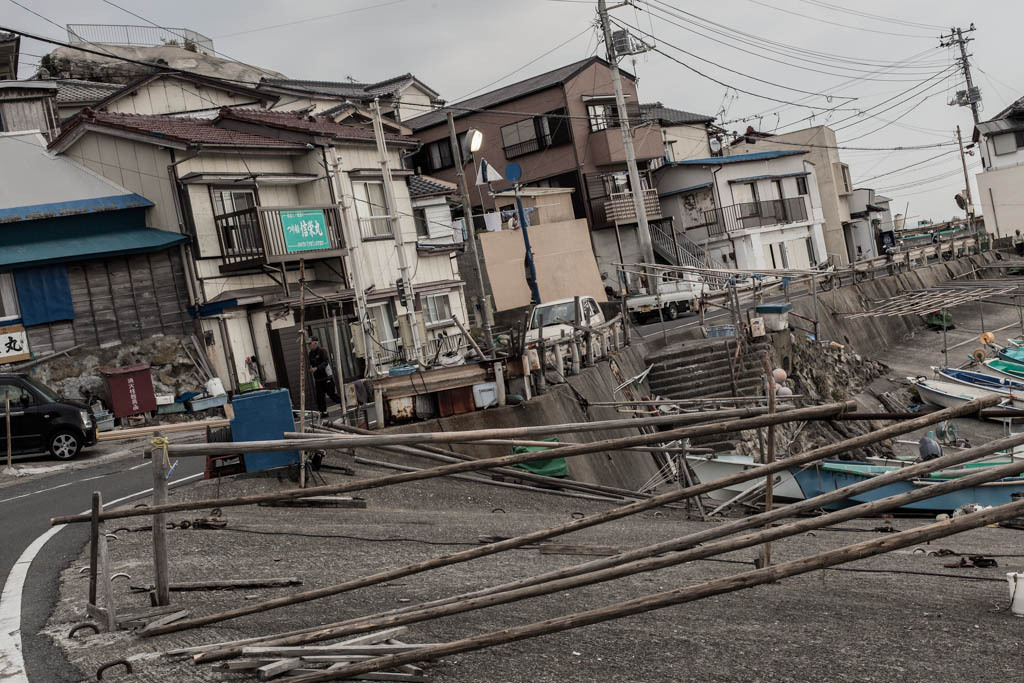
[26,417]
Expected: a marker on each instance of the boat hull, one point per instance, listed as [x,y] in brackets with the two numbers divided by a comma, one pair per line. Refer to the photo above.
[814,481]
[999,385]
[714,467]
[950,395]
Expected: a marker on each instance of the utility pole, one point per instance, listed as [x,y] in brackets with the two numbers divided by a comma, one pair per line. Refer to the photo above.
[643,231]
[396,229]
[467,212]
[967,180]
[973,95]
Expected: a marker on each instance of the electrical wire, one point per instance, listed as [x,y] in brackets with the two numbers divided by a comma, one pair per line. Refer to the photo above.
[877,17]
[306,21]
[835,23]
[903,168]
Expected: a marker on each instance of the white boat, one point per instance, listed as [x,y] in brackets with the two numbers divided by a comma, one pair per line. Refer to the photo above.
[708,468]
[950,394]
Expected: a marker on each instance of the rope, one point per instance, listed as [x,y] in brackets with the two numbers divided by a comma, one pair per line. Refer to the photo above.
[162,442]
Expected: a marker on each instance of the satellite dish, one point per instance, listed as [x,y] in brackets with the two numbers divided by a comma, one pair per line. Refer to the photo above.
[513,172]
[716,146]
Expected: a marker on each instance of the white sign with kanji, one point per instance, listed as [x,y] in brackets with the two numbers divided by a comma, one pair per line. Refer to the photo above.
[13,344]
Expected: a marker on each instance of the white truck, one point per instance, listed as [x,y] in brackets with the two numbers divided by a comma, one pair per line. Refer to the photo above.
[558,318]
[673,298]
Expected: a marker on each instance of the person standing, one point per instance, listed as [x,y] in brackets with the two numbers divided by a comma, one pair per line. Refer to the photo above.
[323,376]
[1018,243]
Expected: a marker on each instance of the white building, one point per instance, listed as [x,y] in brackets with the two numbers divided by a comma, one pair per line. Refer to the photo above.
[759,211]
[1001,140]
[870,228]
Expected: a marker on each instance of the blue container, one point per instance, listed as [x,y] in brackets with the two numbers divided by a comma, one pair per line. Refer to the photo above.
[263,416]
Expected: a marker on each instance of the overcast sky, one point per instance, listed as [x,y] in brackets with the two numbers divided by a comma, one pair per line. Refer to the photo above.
[459,46]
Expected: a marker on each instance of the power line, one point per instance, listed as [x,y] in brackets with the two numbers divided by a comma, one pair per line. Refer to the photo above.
[835,23]
[903,168]
[306,21]
[868,15]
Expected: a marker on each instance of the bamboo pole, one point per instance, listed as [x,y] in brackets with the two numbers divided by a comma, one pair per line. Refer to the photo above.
[653,563]
[678,596]
[575,525]
[823,411]
[372,622]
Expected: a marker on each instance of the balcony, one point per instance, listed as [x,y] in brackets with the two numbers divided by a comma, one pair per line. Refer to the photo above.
[755,215]
[606,147]
[527,147]
[619,207]
[278,234]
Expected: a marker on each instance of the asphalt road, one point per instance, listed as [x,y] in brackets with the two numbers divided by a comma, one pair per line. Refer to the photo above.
[25,509]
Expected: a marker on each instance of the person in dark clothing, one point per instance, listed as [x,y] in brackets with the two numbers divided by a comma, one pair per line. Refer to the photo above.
[323,376]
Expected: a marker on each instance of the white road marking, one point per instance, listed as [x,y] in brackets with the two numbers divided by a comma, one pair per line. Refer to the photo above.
[12,663]
[78,481]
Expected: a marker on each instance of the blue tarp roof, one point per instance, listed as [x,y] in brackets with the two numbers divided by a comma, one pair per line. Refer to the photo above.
[73,208]
[84,247]
[739,158]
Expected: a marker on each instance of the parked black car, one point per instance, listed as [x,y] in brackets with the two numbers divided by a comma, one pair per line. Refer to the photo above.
[42,421]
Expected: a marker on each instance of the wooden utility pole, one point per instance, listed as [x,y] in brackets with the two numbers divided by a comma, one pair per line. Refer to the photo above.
[7,427]
[956,37]
[967,182]
[769,483]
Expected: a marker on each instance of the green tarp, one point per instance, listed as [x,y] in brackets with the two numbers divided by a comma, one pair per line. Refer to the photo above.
[554,467]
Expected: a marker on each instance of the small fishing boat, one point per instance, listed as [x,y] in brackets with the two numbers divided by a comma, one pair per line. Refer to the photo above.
[951,394]
[1005,368]
[1014,355]
[711,467]
[830,475]
[998,385]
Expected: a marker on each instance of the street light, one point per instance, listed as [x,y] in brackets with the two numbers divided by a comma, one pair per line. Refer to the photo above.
[474,140]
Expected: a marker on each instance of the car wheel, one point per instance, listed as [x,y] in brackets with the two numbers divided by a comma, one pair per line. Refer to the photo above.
[672,312]
[639,318]
[64,444]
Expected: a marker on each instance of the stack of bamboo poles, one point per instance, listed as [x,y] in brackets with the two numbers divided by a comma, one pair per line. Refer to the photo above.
[710,542]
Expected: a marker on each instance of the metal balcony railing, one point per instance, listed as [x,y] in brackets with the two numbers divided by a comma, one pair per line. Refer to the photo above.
[527,147]
[755,215]
[145,36]
[278,234]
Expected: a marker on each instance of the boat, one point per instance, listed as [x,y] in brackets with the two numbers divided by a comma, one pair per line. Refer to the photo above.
[951,394]
[1005,368]
[830,475]
[1014,355]
[708,468]
[998,385]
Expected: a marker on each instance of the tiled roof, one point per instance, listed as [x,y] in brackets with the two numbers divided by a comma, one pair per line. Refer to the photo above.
[320,125]
[74,90]
[668,116]
[353,90]
[176,128]
[505,93]
[738,158]
[426,186]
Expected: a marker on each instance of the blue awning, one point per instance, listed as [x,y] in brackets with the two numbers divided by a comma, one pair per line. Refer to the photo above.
[60,249]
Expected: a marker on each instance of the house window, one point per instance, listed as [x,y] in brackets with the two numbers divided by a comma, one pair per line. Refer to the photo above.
[437,309]
[811,258]
[420,217]
[844,172]
[439,154]
[535,134]
[801,185]
[372,209]
[8,298]
[385,333]
[237,225]
[602,116]
[1004,144]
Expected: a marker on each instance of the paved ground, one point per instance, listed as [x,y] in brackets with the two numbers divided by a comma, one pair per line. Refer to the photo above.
[49,488]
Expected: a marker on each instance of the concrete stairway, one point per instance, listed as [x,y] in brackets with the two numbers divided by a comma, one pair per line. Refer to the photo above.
[703,369]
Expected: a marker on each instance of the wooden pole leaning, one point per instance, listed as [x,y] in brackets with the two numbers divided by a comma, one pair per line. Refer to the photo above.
[568,527]
[393,617]
[816,412]
[679,596]
[94,547]
[652,562]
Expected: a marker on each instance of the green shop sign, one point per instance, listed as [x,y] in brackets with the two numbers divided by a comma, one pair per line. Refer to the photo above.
[304,230]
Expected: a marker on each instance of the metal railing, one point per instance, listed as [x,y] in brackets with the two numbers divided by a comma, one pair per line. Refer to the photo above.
[682,251]
[393,352]
[146,36]
[527,147]
[619,207]
[755,215]
[257,235]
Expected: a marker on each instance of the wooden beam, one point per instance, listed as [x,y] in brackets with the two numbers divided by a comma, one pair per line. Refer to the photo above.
[573,450]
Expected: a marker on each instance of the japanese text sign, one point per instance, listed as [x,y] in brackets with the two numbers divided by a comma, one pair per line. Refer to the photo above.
[304,230]
[13,344]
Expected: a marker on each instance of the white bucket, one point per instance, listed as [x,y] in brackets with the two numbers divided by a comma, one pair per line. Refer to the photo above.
[214,387]
[1016,581]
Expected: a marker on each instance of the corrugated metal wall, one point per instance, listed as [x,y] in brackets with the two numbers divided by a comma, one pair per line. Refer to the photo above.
[120,299]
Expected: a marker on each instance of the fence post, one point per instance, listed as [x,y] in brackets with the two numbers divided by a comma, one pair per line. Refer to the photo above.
[574,350]
[94,548]
[588,351]
[162,594]
[542,379]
